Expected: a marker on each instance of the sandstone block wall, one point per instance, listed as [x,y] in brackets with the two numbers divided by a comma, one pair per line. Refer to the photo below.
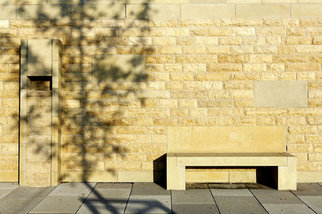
[133,68]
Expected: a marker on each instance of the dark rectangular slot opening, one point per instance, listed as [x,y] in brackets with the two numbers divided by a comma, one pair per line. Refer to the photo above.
[42,83]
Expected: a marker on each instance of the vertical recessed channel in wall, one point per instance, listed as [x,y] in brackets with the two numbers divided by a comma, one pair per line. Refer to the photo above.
[39,112]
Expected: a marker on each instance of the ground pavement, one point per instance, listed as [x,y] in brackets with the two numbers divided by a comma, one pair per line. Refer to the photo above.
[94,198]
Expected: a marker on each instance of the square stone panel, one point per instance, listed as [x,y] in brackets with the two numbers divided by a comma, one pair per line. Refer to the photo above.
[308,190]
[39,57]
[148,189]
[192,196]
[314,202]
[58,204]
[109,195]
[243,204]
[113,186]
[288,208]
[149,204]
[282,94]
[275,197]
[73,189]
[195,208]
[102,208]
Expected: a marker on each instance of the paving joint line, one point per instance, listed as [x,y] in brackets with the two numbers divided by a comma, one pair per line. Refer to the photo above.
[258,200]
[128,199]
[213,197]
[86,198]
[303,201]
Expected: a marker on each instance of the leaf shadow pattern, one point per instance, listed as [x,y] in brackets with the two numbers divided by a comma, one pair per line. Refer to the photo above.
[103,76]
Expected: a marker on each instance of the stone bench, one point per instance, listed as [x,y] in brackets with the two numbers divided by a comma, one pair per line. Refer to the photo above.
[241,147]
[177,162]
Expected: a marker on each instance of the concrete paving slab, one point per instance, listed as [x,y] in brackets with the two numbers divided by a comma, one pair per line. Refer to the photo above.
[267,196]
[8,185]
[59,204]
[101,208]
[113,186]
[192,196]
[240,205]
[73,189]
[308,189]
[314,202]
[149,204]
[148,189]
[231,192]
[287,209]
[111,195]
[23,199]
[195,208]
[4,192]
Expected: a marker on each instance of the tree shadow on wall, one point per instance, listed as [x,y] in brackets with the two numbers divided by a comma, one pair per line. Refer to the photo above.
[103,83]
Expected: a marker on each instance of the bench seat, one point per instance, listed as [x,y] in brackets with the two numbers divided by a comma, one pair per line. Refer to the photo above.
[285,163]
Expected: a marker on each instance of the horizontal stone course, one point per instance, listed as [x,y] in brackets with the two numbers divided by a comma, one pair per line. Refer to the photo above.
[108,10]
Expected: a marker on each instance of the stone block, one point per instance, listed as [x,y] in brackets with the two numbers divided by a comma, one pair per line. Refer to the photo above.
[8,11]
[288,208]
[247,176]
[266,196]
[280,94]
[43,12]
[39,57]
[152,11]
[225,139]
[135,176]
[148,204]
[306,10]
[235,204]
[195,208]
[191,11]
[98,11]
[262,10]
[192,196]
[206,176]
[122,68]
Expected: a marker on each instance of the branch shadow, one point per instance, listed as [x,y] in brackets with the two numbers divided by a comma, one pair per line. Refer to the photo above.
[103,76]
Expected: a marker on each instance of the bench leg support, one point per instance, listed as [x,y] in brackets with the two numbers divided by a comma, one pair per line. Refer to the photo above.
[175,175]
[287,177]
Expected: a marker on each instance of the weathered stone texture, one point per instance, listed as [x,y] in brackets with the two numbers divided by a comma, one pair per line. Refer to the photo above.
[126,79]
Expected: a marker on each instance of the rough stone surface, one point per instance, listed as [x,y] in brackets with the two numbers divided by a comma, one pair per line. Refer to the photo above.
[195,65]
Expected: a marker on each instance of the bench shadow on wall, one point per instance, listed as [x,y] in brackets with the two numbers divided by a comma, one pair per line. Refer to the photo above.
[105,86]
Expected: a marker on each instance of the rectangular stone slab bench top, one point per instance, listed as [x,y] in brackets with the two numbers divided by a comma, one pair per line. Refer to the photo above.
[177,162]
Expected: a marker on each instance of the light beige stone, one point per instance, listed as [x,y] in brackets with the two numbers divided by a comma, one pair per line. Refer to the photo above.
[153,11]
[309,176]
[206,176]
[43,12]
[176,163]
[207,11]
[280,94]
[225,139]
[175,174]
[39,57]
[122,68]
[8,11]
[98,11]
[135,176]
[287,175]
[262,10]
[306,10]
